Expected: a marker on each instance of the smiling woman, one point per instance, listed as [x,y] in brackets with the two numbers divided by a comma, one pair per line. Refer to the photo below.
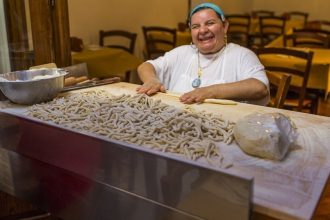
[206,68]
[202,23]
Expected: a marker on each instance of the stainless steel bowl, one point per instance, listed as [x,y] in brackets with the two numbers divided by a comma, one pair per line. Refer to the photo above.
[29,87]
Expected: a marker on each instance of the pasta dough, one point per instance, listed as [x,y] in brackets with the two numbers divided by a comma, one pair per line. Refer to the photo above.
[140,120]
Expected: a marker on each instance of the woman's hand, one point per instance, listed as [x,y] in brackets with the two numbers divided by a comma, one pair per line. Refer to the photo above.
[151,84]
[196,96]
[151,87]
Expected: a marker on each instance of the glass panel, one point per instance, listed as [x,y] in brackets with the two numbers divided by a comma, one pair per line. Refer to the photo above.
[4,53]
[16,38]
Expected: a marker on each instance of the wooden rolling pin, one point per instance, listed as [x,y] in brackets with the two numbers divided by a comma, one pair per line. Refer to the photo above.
[70,81]
[91,83]
[214,101]
[81,79]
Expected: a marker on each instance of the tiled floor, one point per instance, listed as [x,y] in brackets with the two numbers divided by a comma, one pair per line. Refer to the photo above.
[323,211]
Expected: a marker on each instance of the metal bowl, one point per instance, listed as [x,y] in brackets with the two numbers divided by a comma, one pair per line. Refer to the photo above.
[29,87]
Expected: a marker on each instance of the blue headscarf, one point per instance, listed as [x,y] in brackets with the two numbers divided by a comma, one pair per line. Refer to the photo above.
[212,6]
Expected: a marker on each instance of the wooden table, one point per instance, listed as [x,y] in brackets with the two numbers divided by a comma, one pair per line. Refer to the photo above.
[289,189]
[105,62]
[320,72]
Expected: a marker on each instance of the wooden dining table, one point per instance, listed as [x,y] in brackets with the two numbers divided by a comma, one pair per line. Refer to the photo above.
[320,72]
[104,62]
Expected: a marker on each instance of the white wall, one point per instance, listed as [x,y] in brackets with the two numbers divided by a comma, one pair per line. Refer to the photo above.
[317,9]
[235,6]
[87,17]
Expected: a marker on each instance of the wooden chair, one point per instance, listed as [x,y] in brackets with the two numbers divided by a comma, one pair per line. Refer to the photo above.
[120,39]
[270,28]
[324,25]
[319,31]
[158,40]
[261,13]
[305,38]
[296,15]
[297,98]
[318,24]
[315,31]
[279,86]
[77,44]
[117,38]
[239,27]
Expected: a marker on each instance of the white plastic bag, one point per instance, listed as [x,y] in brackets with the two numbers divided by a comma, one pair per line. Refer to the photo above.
[266,135]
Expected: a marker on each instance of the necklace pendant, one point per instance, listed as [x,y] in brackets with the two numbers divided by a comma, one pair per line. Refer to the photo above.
[199,72]
[196,83]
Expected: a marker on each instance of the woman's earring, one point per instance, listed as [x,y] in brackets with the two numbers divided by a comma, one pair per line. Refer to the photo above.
[225,39]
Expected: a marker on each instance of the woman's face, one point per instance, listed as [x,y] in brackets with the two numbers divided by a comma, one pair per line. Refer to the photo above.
[208,31]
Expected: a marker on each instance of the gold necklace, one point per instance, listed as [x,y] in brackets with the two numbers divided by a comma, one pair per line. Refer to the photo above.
[198,81]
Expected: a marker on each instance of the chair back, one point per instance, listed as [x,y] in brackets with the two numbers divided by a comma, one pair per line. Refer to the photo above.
[298,66]
[262,13]
[120,39]
[319,24]
[239,29]
[296,15]
[270,28]
[324,25]
[307,38]
[279,86]
[319,31]
[77,44]
[158,40]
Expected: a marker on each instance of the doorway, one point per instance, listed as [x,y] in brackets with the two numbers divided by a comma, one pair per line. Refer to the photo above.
[37,32]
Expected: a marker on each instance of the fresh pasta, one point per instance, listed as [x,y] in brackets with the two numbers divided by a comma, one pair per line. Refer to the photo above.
[141,120]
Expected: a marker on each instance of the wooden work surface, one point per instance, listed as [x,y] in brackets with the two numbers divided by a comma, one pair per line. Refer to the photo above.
[289,189]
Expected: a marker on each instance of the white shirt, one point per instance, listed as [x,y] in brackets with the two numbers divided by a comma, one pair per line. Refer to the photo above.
[179,67]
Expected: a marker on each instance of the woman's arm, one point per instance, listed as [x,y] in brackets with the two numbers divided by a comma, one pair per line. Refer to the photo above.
[151,83]
[247,90]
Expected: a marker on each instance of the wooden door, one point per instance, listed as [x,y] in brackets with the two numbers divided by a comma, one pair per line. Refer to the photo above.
[47,23]
[17,34]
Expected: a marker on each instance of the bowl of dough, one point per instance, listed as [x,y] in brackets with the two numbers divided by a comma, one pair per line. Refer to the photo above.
[28,87]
